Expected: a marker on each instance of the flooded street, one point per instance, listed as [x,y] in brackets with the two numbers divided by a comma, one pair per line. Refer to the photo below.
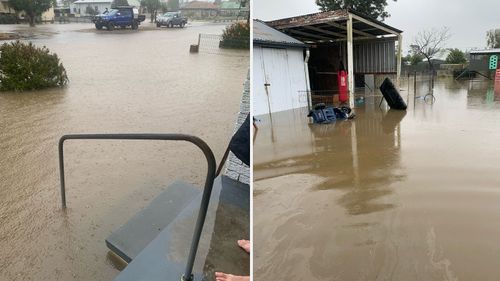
[143,81]
[387,196]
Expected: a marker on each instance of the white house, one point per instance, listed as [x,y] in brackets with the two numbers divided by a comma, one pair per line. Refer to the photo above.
[280,75]
[79,7]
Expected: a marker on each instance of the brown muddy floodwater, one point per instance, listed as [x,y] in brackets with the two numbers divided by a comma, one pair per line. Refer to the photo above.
[387,196]
[143,81]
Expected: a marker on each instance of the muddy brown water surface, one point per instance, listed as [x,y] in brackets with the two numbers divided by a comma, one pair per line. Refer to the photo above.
[142,81]
[387,196]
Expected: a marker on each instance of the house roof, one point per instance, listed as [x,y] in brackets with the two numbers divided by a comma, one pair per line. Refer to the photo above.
[266,35]
[332,26]
[486,52]
[199,5]
[133,3]
[230,5]
[92,1]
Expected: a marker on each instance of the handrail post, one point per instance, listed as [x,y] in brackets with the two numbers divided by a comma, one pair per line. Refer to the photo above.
[61,173]
[209,181]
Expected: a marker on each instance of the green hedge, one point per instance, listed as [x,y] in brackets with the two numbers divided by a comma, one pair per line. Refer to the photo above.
[8,19]
[23,66]
[236,36]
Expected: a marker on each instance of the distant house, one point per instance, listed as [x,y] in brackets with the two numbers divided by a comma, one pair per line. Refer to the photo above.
[233,9]
[79,7]
[5,8]
[199,9]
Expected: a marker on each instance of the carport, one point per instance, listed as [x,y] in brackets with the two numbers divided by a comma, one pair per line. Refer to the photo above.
[343,37]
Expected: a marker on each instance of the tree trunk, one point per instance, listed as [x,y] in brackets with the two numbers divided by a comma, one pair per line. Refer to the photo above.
[431,68]
[153,18]
[31,19]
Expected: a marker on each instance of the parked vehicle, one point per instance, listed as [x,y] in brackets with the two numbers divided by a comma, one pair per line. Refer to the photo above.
[171,19]
[123,17]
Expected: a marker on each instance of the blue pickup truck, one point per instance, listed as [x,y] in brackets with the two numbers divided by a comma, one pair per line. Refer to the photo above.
[123,17]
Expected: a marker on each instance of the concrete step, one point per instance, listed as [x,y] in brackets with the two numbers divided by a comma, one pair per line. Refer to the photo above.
[227,221]
[139,231]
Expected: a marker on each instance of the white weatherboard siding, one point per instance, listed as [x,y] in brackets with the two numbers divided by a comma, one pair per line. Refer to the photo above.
[283,70]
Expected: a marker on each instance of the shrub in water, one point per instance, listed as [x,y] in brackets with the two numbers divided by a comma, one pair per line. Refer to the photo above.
[27,67]
[236,36]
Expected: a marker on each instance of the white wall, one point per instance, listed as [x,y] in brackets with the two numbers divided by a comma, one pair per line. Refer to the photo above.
[283,69]
[83,7]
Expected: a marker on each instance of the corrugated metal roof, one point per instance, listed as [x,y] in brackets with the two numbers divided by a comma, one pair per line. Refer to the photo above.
[309,19]
[264,34]
[332,26]
[487,51]
[199,5]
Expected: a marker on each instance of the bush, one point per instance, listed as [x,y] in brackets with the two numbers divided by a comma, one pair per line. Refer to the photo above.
[27,67]
[456,57]
[8,19]
[236,36]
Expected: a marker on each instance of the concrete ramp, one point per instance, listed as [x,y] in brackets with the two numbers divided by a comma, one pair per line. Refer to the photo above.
[165,256]
[129,240]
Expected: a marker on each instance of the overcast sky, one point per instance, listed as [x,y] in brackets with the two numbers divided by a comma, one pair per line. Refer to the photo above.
[467,20]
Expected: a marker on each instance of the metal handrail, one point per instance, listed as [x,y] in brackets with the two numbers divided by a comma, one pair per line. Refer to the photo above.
[188,276]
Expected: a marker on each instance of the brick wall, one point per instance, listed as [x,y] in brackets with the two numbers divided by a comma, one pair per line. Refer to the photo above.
[236,169]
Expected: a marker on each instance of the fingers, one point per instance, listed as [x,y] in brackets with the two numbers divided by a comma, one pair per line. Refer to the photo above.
[220,276]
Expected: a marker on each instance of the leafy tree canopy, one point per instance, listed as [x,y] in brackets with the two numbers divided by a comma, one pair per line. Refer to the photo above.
[493,38]
[173,5]
[117,3]
[413,59]
[32,8]
[456,57]
[372,8]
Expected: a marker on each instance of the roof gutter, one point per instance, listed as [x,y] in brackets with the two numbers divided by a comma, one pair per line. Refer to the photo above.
[281,45]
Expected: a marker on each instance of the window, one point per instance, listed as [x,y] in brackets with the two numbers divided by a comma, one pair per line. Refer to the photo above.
[125,12]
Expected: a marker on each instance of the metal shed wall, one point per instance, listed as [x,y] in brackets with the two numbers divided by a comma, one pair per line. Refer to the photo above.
[480,62]
[373,57]
[282,69]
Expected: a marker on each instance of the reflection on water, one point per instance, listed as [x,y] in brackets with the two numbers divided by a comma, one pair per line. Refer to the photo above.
[139,81]
[390,195]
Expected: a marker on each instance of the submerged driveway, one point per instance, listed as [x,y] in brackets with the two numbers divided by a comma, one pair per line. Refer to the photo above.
[143,81]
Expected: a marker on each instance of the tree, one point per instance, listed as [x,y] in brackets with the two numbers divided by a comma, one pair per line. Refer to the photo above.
[32,8]
[430,42]
[117,3]
[493,38]
[23,66]
[456,57]
[152,6]
[413,59]
[173,5]
[372,8]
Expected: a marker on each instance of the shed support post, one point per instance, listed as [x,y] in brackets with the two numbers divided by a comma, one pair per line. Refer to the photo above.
[398,66]
[308,85]
[350,61]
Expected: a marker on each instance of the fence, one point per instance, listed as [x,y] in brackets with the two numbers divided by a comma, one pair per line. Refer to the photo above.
[73,19]
[215,44]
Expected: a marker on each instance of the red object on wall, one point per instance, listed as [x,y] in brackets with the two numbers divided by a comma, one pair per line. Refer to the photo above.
[497,82]
[342,79]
